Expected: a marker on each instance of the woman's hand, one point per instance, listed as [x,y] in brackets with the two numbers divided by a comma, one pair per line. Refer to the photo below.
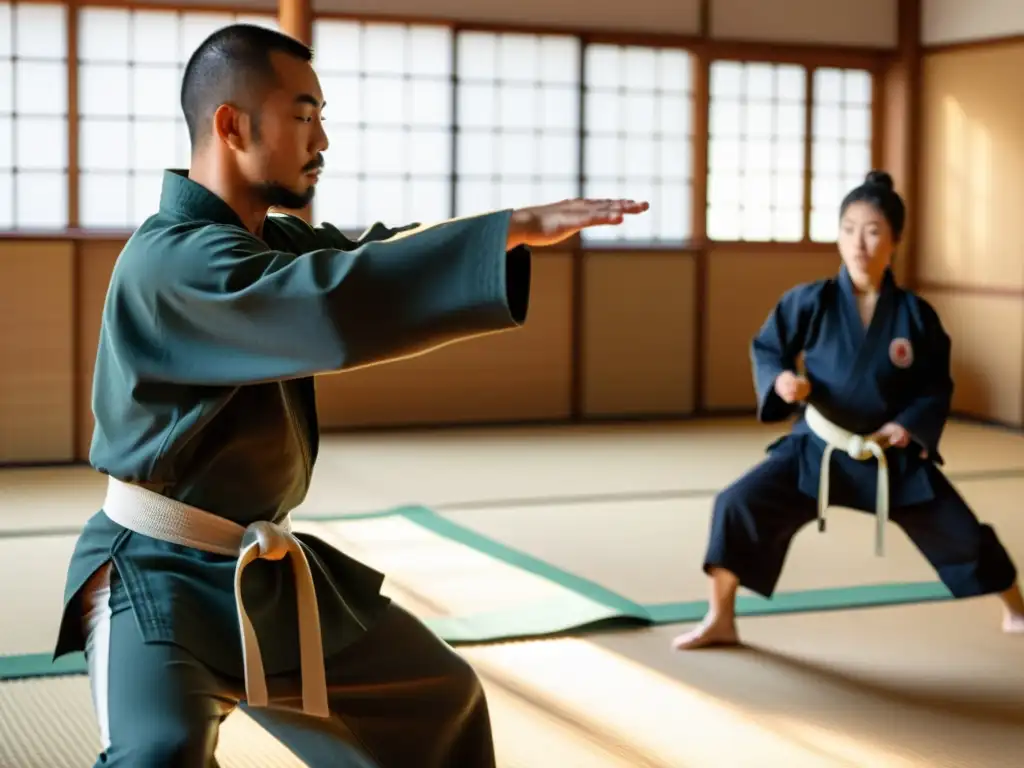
[792,388]
[892,435]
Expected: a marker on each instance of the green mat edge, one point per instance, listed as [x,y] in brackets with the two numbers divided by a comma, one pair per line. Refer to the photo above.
[591,606]
[586,588]
[37,665]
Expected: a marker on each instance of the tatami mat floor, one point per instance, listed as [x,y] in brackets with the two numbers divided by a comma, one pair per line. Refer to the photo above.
[626,507]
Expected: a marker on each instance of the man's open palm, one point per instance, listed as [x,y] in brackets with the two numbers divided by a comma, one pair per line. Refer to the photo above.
[549,224]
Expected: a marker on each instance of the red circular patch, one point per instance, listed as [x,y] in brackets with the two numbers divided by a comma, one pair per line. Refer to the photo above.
[901,353]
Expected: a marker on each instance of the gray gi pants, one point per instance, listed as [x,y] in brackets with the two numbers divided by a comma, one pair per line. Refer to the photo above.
[399,698]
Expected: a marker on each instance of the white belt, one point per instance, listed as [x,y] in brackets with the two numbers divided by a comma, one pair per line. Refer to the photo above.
[150,514]
[859,448]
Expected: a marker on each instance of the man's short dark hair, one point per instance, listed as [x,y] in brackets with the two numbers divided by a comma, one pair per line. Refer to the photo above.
[232,65]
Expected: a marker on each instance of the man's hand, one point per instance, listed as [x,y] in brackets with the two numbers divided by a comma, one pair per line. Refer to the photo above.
[892,435]
[792,388]
[549,224]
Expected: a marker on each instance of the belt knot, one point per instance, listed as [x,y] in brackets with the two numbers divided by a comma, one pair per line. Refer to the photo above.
[269,538]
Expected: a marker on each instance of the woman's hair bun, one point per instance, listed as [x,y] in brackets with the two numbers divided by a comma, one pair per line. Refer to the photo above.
[880,179]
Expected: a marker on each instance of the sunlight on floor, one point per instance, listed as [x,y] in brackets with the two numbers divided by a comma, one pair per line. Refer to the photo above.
[665,720]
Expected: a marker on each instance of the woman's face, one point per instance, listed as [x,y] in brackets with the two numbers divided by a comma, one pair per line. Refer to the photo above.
[866,244]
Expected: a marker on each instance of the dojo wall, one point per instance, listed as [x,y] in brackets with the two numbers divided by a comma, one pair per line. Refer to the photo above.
[613,333]
[970,261]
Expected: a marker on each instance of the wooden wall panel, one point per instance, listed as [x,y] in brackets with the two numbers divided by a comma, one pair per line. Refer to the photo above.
[96,263]
[36,351]
[639,334]
[987,333]
[524,374]
[971,167]
[743,286]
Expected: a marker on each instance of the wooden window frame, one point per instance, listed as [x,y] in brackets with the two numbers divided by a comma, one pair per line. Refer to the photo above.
[810,60]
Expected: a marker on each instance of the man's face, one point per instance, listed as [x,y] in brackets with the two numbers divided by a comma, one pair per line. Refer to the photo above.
[284,154]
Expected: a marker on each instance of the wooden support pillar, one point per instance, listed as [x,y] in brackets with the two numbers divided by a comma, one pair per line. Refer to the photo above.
[900,121]
[701,84]
[295,18]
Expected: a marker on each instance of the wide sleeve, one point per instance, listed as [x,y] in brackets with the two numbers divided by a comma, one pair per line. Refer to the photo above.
[775,349]
[223,309]
[927,413]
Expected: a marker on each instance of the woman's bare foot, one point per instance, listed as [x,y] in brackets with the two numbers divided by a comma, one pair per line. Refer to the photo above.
[719,625]
[1013,623]
[713,631]
[1013,611]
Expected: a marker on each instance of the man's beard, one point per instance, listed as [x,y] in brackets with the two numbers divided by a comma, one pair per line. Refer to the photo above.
[278,196]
